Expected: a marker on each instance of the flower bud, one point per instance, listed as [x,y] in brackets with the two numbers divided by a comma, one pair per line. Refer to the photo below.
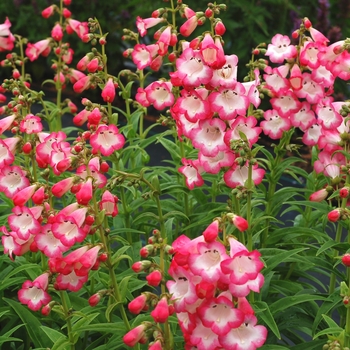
[154,278]
[334,215]
[344,192]
[141,265]
[94,299]
[138,304]
[319,196]
[346,259]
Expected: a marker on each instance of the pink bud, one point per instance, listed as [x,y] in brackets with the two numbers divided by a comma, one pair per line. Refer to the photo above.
[45,311]
[220,28]
[346,259]
[48,12]
[211,232]
[154,278]
[138,304]
[57,32]
[134,336]
[344,192]
[39,196]
[108,92]
[240,223]
[141,266]
[319,195]
[307,23]
[157,345]
[84,195]
[161,311]
[334,215]
[66,13]
[94,299]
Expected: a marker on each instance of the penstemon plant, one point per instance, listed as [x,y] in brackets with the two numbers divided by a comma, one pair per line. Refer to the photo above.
[236,241]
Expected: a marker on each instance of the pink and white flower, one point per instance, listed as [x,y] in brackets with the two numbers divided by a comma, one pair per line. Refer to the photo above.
[34,294]
[107,139]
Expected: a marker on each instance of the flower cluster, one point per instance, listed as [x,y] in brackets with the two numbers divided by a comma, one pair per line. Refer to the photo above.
[35,223]
[209,291]
[211,107]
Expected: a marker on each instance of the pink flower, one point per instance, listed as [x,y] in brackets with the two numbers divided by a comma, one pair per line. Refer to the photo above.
[107,139]
[42,47]
[46,242]
[159,94]
[142,55]
[274,125]
[212,52]
[12,180]
[31,124]
[280,49]
[80,28]
[165,39]
[245,125]
[71,282]
[5,123]
[192,70]
[143,24]
[213,165]
[6,37]
[108,203]
[238,175]
[253,336]
[34,294]
[220,315]
[67,227]
[226,75]
[207,262]
[191,171]
[24,222]
[229,103]
[209,137]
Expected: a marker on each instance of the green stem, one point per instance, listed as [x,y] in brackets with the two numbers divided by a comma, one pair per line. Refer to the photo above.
[347,324]
[162,264]
[66,311]
[116,291]
[250,185]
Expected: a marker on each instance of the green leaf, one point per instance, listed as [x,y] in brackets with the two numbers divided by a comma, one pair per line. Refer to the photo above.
[103,327]
[52,334]
[283,256]
[109,310]
[286,302]
[123,286]
[263,311]
[62,344]
[171,147]
[4,339]
[329,331]
[32,324]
